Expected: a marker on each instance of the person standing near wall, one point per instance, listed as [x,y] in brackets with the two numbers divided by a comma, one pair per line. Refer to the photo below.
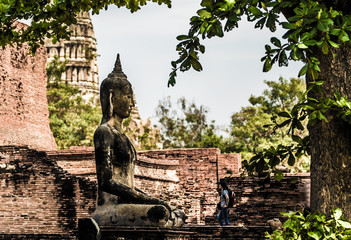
[223,203]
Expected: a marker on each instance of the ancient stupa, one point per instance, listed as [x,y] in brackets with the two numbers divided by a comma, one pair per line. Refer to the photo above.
[80,51]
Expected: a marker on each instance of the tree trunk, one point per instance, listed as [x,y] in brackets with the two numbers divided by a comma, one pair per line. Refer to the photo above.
[331,141]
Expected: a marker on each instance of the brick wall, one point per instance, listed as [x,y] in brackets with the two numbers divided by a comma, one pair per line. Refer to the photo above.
[23,104]
[261,199]
[185,178]
[197,173]
[38,196]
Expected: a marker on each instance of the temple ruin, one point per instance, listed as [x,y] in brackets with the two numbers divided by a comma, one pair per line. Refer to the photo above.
[80,52]
[23,105]
[44,192]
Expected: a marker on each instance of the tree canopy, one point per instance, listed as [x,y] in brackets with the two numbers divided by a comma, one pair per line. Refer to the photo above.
[50,19]
[252,128]
[308,24]
[72,120]
[187,128]
[317,33]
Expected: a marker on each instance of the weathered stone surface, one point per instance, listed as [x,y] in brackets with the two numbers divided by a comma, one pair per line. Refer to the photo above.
[23,104]
[80,52]
[119,202]
[132,215]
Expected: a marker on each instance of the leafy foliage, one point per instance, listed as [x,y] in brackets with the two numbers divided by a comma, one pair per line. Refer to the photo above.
[309,25]
[142,135]
[72,121]
[313,226]
[253,129]
[50,19]
[314,109]
[188,130]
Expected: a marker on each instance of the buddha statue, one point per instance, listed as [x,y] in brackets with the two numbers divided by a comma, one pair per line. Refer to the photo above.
[118,201]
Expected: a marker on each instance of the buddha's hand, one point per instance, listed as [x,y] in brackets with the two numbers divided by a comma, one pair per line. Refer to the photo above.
[164,203]
[161,202]
[150,200]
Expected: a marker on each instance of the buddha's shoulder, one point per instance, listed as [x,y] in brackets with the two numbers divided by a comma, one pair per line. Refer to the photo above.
[105,129]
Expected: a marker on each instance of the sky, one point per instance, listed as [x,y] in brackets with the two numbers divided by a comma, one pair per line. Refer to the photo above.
[146,42]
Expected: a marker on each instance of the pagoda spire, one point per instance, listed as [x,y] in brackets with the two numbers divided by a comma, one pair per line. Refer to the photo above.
[118,66]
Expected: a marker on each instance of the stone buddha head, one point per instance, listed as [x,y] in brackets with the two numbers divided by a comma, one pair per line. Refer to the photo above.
[116,94]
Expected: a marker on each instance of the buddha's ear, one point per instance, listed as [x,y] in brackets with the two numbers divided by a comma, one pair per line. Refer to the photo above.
[111,105]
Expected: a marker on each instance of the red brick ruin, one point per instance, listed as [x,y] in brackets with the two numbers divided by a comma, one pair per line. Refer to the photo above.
[47,192]
[23,104]
[44,191]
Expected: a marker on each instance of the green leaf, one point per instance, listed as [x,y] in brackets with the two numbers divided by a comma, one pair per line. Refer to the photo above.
[299,125]
[288,223]
[302,46]
[268,48]
[276,42]
[203,27]
[288,25]
[260,165]
[196,64]
[219,30]
[344,224]
[255,11]
[296,138]
[333,44]
[260,23]
[286,122]
[335,32]
[271,22]
[315,235]
[183,37]
[303,70]
[284,114]
[310,42]
[267,66]
[321,116]
[278,175]
[344,36]
[186,64]
[274,161]
[322,26]
[283,60]
[291,160]
[204,14]
[2,7]
[230,3]
[337,214]
[202,48]
[206,3]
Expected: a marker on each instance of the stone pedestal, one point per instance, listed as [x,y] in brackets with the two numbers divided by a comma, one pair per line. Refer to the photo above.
[89,230]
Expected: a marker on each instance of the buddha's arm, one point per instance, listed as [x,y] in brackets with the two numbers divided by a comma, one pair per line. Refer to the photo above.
[108,184]
[132,195]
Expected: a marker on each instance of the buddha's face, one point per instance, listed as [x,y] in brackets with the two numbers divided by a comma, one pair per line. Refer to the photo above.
[122,102]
